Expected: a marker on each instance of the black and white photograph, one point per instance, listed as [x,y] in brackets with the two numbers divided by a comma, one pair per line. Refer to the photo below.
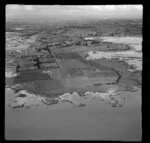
[73,72]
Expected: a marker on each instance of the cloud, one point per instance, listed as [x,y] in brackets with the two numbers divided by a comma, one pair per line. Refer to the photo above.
[139,7]
[130,7]
[12,7]
[110,7]
[96,7]
[19,7]
[28,7]
[114,7]
[75,10]
[124,7]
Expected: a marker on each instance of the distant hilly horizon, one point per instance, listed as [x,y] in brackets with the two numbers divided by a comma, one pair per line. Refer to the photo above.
[63,21]
[68,13]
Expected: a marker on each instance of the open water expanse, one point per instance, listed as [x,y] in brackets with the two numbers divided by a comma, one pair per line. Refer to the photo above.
[97,121]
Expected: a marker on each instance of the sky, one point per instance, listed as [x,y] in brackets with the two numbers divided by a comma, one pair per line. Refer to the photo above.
[74,12]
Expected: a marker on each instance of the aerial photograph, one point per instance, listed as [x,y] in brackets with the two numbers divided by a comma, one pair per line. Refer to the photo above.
[73,72]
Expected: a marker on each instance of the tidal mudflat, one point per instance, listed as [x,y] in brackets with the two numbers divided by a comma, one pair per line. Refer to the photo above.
[68,83]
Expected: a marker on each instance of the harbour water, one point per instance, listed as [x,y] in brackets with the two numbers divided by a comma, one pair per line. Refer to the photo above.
[97,121]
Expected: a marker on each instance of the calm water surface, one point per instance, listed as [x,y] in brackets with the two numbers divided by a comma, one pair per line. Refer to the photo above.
[96,121]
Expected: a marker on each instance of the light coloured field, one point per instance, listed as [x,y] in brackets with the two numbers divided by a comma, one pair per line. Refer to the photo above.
[14,41]
[135,42]
[132,57]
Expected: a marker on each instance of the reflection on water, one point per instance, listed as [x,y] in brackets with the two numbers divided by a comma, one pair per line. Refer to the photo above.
[97,121]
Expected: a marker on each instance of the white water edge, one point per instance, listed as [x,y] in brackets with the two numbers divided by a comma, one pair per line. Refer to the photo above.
[29,100]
